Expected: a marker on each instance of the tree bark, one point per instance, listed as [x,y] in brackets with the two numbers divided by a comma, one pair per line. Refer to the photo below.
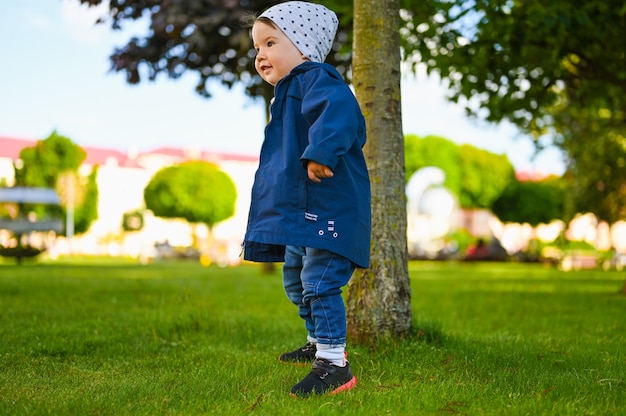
[379,298]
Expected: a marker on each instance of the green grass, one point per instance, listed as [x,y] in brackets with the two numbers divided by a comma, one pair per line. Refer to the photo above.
[94,338]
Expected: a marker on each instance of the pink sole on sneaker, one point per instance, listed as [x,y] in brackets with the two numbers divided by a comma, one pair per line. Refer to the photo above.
[344,387]
[349,385]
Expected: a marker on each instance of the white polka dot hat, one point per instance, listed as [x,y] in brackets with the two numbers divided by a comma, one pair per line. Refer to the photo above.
[311,27]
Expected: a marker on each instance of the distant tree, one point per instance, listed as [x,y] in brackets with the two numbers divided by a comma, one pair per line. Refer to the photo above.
[54,163]
[596,178]
[85,213]
[436,151]
[47,159]
[196,191]
[476,176]
[532,202]
[484,175]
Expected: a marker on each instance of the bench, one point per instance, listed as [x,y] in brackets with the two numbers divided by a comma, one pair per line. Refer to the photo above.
[21,226]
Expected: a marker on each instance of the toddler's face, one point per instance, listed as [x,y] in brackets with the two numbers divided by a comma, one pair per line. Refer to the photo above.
[276,54]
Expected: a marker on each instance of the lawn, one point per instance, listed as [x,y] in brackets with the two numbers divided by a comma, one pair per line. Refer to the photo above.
[104,338]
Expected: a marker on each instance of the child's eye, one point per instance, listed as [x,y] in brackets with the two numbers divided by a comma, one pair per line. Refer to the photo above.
[270,44]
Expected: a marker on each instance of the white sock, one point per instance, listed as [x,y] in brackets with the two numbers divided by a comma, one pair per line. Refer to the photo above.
[335,355]
[310,339]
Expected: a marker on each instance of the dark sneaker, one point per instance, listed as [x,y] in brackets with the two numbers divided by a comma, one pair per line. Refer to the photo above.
[304,354]
[325,377]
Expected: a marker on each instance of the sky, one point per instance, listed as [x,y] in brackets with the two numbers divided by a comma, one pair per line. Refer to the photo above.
[54,75]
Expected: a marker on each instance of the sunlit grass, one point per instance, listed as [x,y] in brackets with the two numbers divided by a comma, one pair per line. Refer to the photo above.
[107,337]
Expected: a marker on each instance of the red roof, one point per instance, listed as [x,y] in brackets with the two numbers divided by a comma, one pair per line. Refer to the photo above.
[526,176]
[210,156]
[101,156]
[11,147]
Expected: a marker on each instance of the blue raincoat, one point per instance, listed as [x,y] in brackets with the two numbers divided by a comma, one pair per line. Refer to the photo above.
[314,116]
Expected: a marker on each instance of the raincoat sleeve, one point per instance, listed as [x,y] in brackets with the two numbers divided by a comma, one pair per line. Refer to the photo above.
[332,112]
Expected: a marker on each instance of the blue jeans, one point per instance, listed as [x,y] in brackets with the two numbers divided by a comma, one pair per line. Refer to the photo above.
[313,280]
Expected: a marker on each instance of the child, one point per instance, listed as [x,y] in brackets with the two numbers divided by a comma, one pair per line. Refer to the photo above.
[310,203]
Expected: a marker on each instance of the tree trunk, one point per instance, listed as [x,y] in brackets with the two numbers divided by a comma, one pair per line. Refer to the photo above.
[379,298]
